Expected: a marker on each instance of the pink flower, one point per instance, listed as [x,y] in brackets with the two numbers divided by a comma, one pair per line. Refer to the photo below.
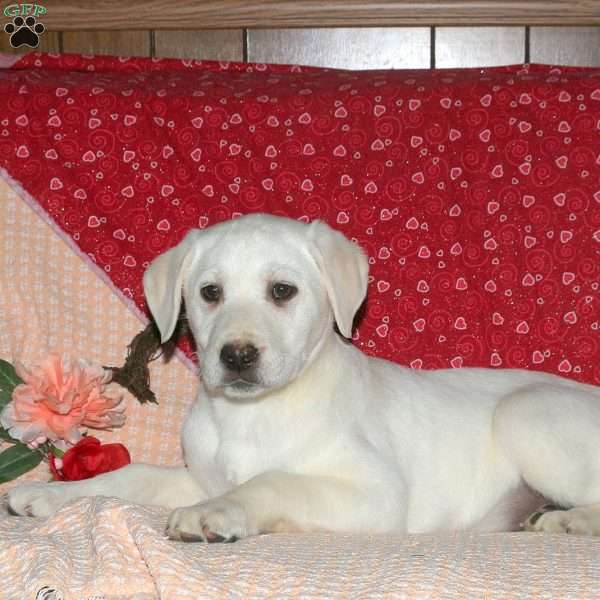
[56,398]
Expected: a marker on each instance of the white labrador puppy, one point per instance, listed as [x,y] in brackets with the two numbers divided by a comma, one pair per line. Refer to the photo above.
[294,429]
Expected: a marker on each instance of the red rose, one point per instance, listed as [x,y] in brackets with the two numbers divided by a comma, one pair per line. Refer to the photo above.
[88,458]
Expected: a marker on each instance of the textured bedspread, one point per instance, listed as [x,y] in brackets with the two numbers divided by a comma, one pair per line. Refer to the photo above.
[102,548]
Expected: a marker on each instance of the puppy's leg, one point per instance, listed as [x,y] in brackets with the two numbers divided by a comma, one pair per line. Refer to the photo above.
[277,501]
[145,484]
[550,433]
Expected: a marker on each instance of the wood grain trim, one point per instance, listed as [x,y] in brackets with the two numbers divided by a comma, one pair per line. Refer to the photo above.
[82,15]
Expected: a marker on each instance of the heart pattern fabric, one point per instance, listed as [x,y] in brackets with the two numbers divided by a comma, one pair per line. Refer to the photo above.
[475,192]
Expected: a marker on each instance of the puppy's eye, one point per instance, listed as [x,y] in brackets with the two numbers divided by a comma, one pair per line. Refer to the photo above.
[211,293]
[281,292]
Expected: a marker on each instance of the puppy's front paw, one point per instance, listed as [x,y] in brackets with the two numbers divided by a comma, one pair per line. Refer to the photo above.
[37,499]
[217,520]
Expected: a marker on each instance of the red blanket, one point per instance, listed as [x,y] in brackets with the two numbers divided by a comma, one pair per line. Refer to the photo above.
[475,192]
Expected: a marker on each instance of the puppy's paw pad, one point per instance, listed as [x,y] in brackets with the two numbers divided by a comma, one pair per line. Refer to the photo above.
[35,499]
[213,521]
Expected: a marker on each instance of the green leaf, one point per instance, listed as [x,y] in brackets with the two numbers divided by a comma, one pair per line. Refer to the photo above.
[17,460]
[56,451]
[9,380]
[4,435]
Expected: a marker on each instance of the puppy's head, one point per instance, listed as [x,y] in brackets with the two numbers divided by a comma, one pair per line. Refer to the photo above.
[261,293]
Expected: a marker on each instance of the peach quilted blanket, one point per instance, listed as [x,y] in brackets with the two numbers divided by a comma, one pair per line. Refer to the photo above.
[100,548]
[105,549]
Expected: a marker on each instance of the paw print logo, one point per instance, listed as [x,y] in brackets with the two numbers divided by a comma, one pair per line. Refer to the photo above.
[24,32]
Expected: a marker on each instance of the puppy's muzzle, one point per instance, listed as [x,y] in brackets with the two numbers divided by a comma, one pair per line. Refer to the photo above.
[238,357]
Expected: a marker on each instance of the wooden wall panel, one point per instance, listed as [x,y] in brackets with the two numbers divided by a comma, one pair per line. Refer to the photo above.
[120,43]
[373,48]
[479,46]
[80,15]
[49,42]
[214,44]
[565,45]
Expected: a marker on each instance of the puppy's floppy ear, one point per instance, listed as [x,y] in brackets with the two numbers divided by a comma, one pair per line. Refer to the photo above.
[344,268]
[163,282]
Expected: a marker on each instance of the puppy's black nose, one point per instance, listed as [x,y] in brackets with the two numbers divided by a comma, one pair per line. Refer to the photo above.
[238,357]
